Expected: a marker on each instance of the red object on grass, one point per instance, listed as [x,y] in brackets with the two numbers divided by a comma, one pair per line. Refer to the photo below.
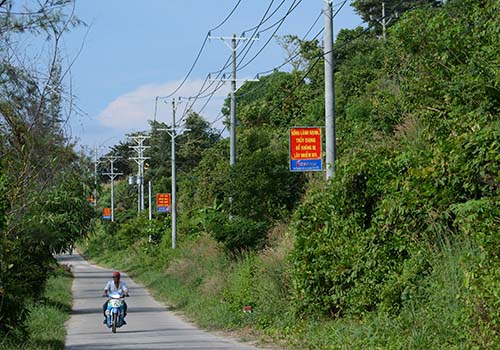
[247,308]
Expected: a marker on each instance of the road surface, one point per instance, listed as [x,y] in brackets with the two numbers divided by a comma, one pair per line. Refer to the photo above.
[150,324]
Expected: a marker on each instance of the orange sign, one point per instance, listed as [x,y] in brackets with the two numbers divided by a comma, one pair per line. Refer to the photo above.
[106,213]
[90,199]
[163,201]
[305,149]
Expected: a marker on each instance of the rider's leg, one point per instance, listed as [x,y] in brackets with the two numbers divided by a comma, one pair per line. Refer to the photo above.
[104,307]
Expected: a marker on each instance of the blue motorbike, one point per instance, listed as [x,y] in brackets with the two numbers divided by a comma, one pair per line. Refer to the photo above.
[115,312]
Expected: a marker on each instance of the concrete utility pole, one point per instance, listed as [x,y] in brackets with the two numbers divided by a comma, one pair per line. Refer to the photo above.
[149,197]
[174,178]
[96,163]
[140,148]
[329,91]
[232,149]
[173,134]
[384,23]
[232,132]
[112,175]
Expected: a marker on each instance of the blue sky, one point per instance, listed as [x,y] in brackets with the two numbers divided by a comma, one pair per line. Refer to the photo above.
[136,50]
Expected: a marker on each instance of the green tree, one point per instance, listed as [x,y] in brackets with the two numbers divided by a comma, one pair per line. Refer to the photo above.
[371,10]
[43,181]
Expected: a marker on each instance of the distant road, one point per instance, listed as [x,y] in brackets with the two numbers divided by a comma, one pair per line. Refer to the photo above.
[149,324]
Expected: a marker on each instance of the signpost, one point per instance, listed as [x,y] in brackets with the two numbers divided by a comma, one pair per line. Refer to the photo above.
[90,199]
[305,149]
[106,213]
[163,202]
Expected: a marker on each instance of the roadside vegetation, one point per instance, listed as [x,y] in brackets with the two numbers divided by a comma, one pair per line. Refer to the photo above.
[45,327]
[43,181]
[398,251]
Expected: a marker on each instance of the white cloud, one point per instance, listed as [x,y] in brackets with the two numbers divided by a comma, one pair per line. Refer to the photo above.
[132,110]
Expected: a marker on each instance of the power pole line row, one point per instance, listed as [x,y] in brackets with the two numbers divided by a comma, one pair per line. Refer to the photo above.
[329,124]
[173,205]
[96,162]
[112,175]
[232,130]
[140,159]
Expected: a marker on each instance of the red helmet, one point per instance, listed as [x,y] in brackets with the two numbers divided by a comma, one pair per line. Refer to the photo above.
[116,274]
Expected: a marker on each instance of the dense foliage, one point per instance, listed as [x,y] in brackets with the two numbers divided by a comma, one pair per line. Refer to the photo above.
[373,11]
[431,176]
[43,209]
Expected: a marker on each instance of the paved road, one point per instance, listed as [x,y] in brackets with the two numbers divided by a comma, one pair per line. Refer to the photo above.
[150,324]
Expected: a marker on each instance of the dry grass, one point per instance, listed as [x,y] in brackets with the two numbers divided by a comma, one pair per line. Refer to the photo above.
[200,260]
[281,242]
[180,268]
[214,284]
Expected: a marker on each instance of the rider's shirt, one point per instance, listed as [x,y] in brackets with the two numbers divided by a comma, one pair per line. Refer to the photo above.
[111,287]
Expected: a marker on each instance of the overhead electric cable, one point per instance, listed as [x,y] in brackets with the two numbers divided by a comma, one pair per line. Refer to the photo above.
[255,29]
[291,58]
[292,8]
[217,88]
[266,19]
[302,80]
[228,61]
[227,17]
[201,50]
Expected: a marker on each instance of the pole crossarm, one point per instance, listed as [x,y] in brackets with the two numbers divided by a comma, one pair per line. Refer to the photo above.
[113,176]
[229,38]
[173,132]
[234,38]
[236,80]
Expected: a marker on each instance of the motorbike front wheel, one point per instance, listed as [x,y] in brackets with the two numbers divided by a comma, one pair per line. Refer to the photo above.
[114,320]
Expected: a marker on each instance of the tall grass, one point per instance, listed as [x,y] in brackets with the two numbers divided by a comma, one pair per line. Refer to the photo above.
[45,327]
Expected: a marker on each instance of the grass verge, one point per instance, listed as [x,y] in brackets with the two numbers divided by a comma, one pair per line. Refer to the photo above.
[45,325]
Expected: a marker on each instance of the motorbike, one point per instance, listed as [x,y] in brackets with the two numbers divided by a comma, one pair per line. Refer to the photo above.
[115,312]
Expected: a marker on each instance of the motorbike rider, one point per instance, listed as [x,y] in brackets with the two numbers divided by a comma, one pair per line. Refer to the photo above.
[112,286]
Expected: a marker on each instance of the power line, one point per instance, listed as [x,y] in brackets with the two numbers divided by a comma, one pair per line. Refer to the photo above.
[311,67]
[227,17]
[297,53]
[201,50]
[276,30]
[256,32]
[265,18]
[292,7]
[227,63]
[280,22]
